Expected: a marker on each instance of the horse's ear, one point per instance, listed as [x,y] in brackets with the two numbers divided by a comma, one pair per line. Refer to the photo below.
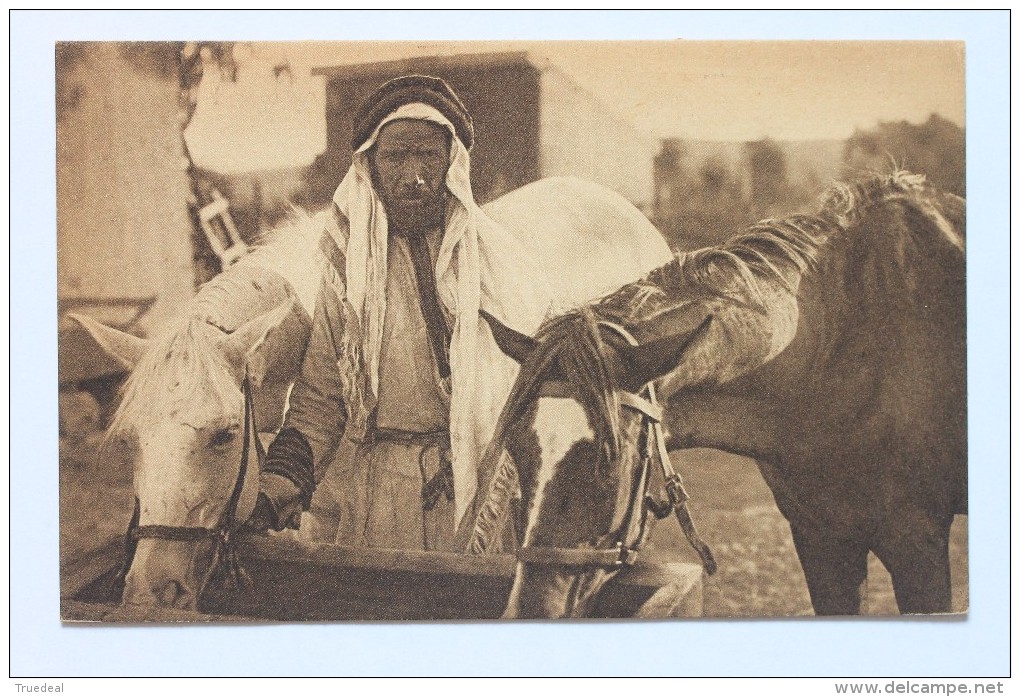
[124,348]
[510,341]
[245,347]
[653,359]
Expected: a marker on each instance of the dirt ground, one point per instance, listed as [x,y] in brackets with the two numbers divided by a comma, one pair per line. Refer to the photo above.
[759,574]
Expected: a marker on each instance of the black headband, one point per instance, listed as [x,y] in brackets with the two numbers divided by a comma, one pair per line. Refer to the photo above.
[408,90]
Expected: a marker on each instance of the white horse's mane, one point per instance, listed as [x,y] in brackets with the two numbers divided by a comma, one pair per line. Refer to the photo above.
[290,249]
[179,364]
[182,361]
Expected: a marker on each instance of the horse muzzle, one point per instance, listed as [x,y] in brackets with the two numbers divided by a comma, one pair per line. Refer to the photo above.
[168,573]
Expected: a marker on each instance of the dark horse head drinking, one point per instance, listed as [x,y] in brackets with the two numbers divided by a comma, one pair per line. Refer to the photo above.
[835,355]
[583,434]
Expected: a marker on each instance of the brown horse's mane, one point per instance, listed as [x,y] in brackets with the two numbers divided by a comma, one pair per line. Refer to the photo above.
[910,236]
[572,344]
[777,250]
[848,202]
[766,251]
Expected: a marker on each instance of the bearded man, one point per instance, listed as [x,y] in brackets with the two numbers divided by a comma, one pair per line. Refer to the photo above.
[400,377]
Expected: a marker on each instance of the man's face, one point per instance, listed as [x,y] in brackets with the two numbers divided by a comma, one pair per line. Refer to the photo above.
[409,162]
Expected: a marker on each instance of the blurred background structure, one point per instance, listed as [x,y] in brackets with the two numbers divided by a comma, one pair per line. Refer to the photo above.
[532,121]
[174,157]
[122,222]
[124,235]
[705,191]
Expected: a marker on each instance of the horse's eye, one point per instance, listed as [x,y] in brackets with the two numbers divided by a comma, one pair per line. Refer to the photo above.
[222,437]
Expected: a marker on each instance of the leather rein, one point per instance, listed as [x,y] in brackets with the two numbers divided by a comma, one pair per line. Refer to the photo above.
[225,556]
[632,532]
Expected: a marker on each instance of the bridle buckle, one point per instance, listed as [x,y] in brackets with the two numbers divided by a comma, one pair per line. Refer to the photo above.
[676,496]
[627,556]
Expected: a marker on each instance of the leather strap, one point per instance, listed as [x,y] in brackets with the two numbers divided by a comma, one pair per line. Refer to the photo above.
[625,552]
[563,389]
[493,511]
[677,495]
[428,300]
[225,560]
[227,518]
[634,528]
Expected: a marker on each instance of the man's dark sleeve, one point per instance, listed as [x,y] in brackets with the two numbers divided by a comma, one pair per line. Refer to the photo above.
[316,418]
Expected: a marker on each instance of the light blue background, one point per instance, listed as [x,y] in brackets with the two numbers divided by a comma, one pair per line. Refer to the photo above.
[40,646]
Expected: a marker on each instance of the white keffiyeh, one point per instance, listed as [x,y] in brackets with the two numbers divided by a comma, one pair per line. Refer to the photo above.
[480,265]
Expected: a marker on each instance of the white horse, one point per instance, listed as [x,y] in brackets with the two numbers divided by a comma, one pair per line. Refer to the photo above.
[182,415]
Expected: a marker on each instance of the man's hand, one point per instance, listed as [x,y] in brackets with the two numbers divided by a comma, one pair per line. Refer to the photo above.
[263,517]
[278,505]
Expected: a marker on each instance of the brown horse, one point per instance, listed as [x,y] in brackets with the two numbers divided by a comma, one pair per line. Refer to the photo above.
[831,348]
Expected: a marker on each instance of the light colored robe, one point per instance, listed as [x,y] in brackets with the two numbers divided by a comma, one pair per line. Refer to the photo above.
[580,239]
[372,495]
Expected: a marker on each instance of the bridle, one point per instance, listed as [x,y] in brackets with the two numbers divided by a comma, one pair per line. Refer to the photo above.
[225,562]
[624,546]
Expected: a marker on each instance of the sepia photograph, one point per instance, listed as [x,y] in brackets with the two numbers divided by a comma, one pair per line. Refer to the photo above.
[459,331]
[425,335]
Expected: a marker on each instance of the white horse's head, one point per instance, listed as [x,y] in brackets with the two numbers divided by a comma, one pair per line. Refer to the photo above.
[181,424]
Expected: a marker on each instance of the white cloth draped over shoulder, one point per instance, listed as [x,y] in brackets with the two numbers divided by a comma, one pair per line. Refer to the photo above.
[480,266]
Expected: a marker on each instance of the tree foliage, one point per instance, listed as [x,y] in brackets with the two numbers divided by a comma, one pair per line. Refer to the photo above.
[767,172]
[935,148]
